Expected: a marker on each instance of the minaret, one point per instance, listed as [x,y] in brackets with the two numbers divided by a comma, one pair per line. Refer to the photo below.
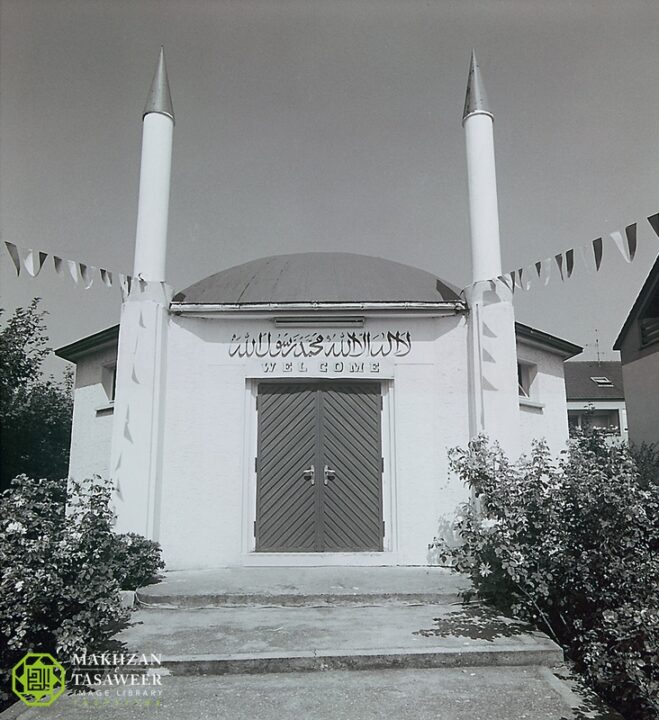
[155,171]
[494,407]
[478,124]
[136,464]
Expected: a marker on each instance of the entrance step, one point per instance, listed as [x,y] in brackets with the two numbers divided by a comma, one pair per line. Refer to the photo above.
[250,640]
[299,586]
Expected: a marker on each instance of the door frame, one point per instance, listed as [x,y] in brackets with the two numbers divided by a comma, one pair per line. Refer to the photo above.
[387,556]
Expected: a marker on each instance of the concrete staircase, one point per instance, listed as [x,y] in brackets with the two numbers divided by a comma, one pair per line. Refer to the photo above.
[264,620]
[243,644]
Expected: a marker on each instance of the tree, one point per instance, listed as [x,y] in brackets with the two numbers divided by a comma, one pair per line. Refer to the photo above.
[35,412]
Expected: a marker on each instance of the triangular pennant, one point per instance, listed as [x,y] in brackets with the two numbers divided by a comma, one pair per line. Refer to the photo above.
[106,277]
[654,222]
[538,268]
[587,259]
[34,260]
[545,273]
[621,245]
[15,256]
[559,263]
[630,232]
[517,278]
[125,282]
[58,263]
[72,267]
[524,279]
[507,281]
[597,252]
[87,274]
[569,262]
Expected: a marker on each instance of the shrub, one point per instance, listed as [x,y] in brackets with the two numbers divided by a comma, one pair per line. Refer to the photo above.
[646,457]
[58,593]
[572,546]
[137,561]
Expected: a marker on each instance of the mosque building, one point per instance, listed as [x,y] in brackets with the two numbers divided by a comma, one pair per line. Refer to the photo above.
[298,409]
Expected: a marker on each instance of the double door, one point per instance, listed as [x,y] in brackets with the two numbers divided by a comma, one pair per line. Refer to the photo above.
[319,467]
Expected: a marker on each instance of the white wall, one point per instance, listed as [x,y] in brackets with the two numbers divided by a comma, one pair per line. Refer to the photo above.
[544,414]
[205,492]
[210,424]
[91,434]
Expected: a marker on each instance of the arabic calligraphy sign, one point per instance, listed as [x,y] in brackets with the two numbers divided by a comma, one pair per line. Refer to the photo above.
[318,345]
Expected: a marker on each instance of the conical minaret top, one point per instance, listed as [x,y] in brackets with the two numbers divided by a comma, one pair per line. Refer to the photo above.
[159,99]
[476,100]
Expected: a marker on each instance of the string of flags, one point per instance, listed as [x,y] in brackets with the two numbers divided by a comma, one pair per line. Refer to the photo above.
[562,265]
[589,256]
[33,261]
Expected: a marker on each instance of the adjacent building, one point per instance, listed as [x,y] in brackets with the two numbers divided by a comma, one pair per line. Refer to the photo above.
[638,343]
[596,397]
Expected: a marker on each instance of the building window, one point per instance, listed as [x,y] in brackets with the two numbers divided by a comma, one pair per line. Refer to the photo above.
[602,382]
[606,421]
[525,378]
[109,380]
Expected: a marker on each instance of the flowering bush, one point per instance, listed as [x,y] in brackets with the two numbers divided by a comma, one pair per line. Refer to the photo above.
[61,570]
[572,546]
[137,561]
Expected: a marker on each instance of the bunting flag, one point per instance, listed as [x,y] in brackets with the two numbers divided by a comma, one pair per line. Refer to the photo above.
[33,261]
[630,232]
[15,256]
[508,281]
[72,267]
[622,245]
[591,255]
[654,222]
[597,252]
[125,282]
[87,274]
[588,258]
[569,262]
[543,270]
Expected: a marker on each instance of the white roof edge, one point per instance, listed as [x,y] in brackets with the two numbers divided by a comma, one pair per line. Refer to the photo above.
[293,307]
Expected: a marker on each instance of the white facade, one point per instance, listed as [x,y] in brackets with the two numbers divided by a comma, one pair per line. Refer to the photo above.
[543,413]
[199,501]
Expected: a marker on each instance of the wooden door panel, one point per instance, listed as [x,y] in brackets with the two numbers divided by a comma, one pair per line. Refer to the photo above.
[286,500]
[351,448]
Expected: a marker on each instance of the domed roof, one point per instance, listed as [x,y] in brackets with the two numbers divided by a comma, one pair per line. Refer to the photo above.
[330,277]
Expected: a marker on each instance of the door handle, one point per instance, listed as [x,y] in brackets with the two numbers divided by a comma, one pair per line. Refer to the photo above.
[329,474]
[310,474]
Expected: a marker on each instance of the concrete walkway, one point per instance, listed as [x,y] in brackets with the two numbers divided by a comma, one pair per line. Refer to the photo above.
[450,694]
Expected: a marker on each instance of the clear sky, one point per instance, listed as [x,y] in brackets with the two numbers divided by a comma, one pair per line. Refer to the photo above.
[330,125]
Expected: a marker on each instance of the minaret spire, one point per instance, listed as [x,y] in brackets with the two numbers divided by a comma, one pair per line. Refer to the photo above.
[155,171]
[476,99]
[159,99]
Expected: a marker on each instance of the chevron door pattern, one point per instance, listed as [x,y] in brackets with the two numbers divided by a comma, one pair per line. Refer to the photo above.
[319,467]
